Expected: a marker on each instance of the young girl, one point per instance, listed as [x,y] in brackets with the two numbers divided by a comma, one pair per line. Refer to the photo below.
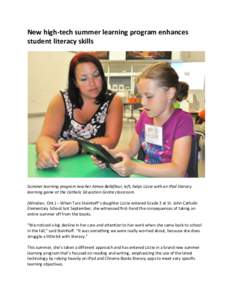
[162,132]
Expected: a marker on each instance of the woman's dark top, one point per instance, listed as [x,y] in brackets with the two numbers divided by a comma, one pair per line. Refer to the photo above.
[95,127]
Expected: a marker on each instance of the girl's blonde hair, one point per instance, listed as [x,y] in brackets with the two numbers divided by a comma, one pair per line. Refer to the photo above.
[166,77]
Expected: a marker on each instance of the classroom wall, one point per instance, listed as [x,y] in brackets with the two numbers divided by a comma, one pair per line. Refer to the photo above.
[47,74]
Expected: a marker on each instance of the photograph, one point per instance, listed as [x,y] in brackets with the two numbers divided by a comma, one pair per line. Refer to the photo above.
[148,55]
[86,120]
[99,54]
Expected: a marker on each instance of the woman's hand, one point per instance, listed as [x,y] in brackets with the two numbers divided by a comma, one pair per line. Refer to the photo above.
[66,148]
[124,167]
[47,159]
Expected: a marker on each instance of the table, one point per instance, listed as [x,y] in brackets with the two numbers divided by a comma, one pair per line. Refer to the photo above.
[71,167]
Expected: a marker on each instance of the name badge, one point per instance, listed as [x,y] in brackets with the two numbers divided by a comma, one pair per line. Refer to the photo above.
[154,134]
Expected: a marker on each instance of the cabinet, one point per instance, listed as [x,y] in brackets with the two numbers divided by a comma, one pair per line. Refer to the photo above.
[121,74]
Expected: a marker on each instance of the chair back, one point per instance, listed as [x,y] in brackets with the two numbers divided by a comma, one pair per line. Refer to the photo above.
[192,169]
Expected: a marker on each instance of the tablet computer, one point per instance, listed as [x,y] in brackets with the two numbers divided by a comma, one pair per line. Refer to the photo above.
[98,151]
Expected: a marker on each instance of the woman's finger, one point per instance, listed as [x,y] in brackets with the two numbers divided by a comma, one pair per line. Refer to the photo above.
[55,158]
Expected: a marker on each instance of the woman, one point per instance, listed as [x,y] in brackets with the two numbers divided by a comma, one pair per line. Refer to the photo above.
[162,132]
[86,109]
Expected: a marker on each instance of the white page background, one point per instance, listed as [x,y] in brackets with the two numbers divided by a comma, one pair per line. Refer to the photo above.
[208,278]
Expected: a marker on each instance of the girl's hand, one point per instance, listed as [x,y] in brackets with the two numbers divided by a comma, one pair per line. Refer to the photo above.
[47,159]
[98,163]
[66,148]
[124,167]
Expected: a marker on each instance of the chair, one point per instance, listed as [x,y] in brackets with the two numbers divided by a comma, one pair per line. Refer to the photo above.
[192,169]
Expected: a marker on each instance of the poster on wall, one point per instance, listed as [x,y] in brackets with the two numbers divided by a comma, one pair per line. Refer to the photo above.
[148,55]
[99,54]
